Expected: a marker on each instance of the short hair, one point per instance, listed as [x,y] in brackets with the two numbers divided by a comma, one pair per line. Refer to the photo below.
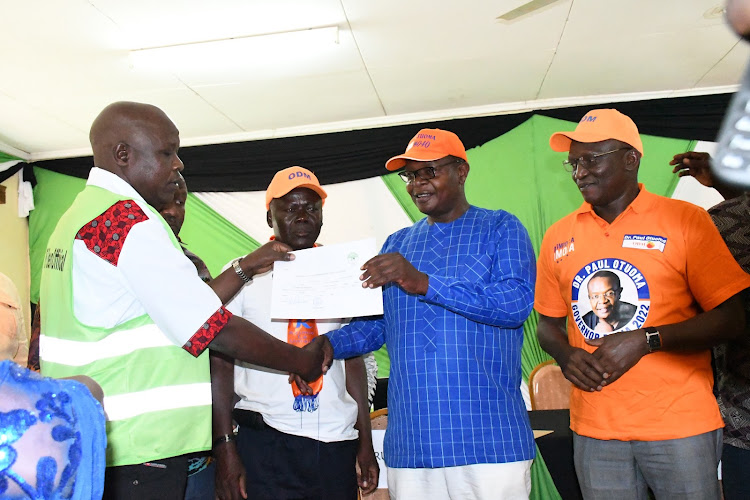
[457,159]
[613,278]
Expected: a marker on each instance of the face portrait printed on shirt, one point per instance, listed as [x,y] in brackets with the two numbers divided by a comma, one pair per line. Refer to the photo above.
[604,296]
[441,197]
[139,143]
[296,218]
[174,212]
[609,296]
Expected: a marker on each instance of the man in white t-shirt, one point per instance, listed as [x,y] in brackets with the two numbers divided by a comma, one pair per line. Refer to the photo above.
[293,442]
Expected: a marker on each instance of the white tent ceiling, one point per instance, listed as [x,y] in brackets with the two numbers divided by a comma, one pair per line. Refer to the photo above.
[396,61]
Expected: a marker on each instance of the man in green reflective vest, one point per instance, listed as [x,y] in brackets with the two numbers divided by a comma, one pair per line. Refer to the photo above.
[124,306]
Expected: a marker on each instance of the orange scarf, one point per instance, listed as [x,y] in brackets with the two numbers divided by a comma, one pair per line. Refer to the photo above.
[300,333]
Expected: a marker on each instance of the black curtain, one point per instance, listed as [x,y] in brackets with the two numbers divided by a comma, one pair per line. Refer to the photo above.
[359,154]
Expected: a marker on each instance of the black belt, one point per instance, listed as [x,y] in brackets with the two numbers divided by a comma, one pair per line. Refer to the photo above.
[249,418]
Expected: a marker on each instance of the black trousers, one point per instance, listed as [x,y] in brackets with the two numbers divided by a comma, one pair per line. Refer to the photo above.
[281,466]
[163,479]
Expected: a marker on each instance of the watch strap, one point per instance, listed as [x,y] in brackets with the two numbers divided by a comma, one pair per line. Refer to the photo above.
[653,338]
[237,269]
[223,439]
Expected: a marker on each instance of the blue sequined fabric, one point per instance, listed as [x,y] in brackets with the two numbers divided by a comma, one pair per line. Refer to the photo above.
[52,437]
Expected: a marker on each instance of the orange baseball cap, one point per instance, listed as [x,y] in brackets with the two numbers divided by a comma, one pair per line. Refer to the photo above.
[429,144]
[291,178]
[599,125]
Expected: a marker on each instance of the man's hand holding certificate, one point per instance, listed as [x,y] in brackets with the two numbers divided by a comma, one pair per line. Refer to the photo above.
[393,267]
[324,282]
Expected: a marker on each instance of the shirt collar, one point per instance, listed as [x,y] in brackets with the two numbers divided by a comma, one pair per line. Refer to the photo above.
[639,205]
[107,180]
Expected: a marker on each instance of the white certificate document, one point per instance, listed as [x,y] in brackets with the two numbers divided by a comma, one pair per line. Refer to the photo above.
[323,282]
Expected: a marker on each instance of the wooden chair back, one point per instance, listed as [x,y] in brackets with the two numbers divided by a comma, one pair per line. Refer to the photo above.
[548,387]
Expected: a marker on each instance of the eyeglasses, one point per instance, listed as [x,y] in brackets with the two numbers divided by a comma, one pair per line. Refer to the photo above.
[586,161]
[598,297]
[425,173]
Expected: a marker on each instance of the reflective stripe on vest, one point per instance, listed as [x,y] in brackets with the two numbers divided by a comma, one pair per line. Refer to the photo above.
[124,406]
[119,343]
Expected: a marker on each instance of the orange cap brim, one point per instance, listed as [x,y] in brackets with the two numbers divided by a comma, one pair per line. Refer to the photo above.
[399,162]
[560,141]
[314,187]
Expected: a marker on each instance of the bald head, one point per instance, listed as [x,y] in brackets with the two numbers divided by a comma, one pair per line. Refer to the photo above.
[138,143]
[122,122]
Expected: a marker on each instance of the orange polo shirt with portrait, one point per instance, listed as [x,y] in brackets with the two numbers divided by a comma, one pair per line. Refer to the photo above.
[672,264]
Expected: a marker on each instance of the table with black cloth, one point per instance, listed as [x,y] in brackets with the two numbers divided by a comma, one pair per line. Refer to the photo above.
[557,450]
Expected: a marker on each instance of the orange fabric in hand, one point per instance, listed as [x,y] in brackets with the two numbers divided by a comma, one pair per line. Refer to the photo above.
[300,333]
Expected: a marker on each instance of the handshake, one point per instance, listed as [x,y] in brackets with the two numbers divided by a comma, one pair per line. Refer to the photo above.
[317,359]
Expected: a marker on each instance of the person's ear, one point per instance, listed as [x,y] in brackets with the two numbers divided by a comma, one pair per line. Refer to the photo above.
[122,154]
[463,172]
[268,218]
[632,159]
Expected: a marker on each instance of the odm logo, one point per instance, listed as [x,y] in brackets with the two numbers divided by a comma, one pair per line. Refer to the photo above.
[299,174]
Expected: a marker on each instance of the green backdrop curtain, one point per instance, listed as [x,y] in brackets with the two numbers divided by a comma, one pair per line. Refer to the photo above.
[212,237]
[6,157]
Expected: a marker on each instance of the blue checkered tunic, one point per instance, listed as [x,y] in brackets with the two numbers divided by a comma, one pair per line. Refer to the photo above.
[453,394]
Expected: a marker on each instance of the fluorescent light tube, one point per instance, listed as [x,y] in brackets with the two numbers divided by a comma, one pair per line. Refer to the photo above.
[231,51]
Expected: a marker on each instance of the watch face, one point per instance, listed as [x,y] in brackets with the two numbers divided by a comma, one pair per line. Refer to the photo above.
[654,340]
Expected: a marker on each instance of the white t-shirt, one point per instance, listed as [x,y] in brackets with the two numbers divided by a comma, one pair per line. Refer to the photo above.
[268,392]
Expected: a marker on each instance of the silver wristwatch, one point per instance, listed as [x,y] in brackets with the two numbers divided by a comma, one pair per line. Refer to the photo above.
[237,269]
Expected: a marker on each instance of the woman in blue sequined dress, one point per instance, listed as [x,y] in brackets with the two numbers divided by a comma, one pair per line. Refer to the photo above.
[52,437]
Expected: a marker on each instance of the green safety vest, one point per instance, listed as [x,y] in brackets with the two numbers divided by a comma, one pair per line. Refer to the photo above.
[157,396]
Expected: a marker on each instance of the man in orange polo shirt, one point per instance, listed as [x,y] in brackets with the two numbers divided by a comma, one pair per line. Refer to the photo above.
[642,407]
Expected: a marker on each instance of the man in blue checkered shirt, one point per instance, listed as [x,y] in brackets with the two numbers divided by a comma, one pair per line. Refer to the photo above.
[457,288]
